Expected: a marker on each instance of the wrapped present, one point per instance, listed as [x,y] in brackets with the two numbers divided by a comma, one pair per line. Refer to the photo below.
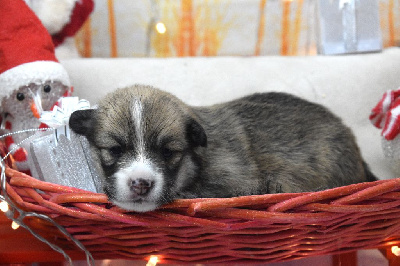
[391,151]
[63,157]
[348,26]
[63,160]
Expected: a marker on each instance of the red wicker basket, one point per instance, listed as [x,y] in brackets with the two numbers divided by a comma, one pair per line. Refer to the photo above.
[249,229]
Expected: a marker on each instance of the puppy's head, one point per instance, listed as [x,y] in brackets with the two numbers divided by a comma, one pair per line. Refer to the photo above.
[146,140]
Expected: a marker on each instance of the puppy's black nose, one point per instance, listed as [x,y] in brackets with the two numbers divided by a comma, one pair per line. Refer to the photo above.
[141,187]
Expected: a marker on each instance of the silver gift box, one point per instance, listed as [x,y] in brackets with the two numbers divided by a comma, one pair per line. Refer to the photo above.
[391,151]
[348,26]
[64,158]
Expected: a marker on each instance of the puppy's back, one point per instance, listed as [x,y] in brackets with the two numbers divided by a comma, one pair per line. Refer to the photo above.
[297,145]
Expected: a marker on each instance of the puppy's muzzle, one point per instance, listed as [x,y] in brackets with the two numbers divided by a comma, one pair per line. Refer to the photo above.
[137,182]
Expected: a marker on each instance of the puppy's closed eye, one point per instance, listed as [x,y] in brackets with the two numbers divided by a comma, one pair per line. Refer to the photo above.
[172,153]
[116,151]
[110,155]
[167,153]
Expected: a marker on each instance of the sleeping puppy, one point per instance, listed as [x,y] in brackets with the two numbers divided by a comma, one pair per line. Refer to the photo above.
[154,148]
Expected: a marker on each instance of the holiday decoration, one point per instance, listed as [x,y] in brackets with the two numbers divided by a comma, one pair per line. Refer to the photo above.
[31,78]
[386,116]
[17,215]
[63,19]
[31,82]
[62,157]
[349,26]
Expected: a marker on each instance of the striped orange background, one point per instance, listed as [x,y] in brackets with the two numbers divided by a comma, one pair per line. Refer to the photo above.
[185,38]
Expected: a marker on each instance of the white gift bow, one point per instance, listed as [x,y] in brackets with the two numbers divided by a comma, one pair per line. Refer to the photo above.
[59,116]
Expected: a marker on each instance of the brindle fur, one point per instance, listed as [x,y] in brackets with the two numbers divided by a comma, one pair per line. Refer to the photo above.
[264,143]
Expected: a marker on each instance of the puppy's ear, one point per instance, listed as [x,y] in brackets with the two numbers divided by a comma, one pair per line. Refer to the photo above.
[196,134]
[82,121]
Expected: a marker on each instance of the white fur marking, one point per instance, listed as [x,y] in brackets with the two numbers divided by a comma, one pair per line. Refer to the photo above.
[138,117]
[140,168]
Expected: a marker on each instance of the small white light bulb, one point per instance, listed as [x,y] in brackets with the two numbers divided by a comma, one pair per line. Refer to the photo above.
[4,206]
[14,225]
[396,250]
[160,27]
[152,261]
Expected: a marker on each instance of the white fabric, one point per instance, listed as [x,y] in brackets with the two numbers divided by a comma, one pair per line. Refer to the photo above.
[34,72]
[67,49]
[350,85]
[54,15]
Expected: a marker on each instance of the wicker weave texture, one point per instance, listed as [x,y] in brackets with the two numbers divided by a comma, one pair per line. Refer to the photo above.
[249,229]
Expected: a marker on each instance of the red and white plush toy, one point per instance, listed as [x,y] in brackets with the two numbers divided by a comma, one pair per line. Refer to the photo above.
[31,78]
[386,114]
[62,19]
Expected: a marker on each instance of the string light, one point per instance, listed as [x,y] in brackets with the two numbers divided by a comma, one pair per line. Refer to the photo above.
[396,250]
[4,206]
[160,27]
[20,143]
[152,261]
[17,215]
[14,225]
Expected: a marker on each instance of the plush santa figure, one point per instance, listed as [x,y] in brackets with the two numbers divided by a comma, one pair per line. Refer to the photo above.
[62,19]
[31,78]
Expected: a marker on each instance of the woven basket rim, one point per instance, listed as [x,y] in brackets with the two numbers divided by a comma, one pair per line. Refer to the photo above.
[257,227]
[305,206]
